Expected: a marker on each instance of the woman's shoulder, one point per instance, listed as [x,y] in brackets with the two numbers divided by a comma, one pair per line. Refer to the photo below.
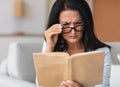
[104,49]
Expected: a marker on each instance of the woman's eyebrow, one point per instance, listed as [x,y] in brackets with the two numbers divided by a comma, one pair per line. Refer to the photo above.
[66,23]
[78,21]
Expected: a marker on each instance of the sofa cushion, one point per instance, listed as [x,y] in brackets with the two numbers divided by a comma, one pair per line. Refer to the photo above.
[20,60]
[115,77]
[7,81]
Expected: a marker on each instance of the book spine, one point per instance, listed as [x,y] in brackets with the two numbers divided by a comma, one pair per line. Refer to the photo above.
[69,69]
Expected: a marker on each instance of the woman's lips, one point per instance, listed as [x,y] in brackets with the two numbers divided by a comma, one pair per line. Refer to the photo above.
[73,37]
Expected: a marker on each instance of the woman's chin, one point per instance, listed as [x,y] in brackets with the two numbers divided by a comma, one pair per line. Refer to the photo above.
[73,41]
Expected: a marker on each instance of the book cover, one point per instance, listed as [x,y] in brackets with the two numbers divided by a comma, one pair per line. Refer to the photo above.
[85,68]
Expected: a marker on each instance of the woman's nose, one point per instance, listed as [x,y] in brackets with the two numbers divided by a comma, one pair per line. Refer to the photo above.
[73,31]
[72,27]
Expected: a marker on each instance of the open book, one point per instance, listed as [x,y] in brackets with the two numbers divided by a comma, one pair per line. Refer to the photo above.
[85,68]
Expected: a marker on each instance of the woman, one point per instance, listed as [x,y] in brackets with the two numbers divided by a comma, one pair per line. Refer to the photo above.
[70,29]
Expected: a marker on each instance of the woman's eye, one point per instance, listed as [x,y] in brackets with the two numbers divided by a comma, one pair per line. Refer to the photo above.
[79,23]
[65,25]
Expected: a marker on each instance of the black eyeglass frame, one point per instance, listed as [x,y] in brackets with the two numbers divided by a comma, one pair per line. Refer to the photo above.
[74,28]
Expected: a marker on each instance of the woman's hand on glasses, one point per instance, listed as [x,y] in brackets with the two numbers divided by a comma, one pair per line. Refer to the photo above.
[51,36]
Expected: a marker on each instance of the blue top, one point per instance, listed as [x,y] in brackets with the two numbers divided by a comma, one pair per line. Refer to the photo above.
[107,66]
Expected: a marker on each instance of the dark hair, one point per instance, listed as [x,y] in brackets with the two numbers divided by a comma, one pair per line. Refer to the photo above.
[89,39]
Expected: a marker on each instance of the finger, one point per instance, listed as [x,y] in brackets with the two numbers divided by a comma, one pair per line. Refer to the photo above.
[49,34]
[70,83]
[65,84]
[74,83]
[56,27]
[52,31]
[62,85]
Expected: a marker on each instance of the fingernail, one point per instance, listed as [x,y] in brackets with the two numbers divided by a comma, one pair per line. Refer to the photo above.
[64,82]
[60,26]
[68,81]
[61,83]
[60,30]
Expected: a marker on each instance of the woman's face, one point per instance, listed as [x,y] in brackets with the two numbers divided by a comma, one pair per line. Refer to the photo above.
[71,20]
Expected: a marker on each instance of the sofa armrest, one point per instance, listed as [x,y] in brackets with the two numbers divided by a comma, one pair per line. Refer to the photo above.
[7,81]
[20,60]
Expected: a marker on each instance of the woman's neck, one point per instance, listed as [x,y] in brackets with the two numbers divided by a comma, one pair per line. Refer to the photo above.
[75,48]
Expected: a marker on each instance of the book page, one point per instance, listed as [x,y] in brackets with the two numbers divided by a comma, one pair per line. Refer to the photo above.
[50,68]
[87,68]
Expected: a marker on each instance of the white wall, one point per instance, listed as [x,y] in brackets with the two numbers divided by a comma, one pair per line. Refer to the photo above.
[33,22]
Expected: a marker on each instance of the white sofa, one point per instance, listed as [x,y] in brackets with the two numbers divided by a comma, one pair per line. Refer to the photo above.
[18,69]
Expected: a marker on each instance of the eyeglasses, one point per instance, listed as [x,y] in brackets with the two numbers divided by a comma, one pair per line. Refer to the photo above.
[77,28]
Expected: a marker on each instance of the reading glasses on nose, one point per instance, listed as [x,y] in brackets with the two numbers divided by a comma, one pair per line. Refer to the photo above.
[77,28]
